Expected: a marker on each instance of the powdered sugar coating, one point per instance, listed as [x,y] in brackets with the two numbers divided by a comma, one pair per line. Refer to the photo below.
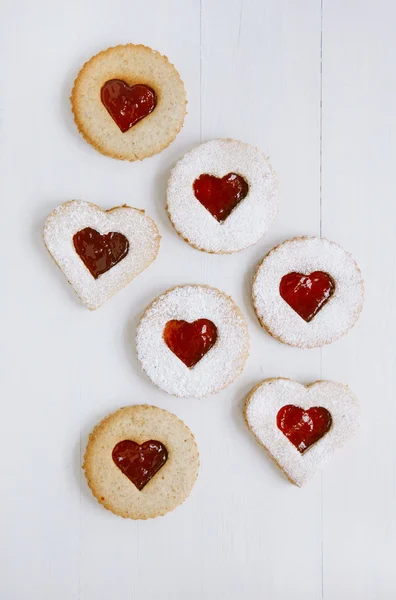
[270,396]
[250,219]
[219,367]
[71,217]
[306,255]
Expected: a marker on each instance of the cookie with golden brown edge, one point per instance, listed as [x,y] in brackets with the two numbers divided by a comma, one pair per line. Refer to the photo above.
[129,102]
[100,251]
[301,426]
[141,462]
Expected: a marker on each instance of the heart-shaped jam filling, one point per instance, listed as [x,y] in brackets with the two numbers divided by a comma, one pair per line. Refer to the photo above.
[190,341]
[98,252]
[303,427]
[306,294]
[220,196]
[140,462]
[127,104]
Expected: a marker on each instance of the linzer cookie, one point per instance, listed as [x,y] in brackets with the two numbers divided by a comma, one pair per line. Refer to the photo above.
[192,341]
[301,426]
[141,462]
[129,102]
[222,196]
[308,292]
[100,251]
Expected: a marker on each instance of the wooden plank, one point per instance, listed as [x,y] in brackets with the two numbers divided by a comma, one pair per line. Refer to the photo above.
[359,127]
[65,368]
[260,82]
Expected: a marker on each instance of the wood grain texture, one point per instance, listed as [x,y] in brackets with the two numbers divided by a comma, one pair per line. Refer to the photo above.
[312,84]
[359,127]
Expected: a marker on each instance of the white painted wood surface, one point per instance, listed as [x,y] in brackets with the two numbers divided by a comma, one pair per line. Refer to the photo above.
[315,87]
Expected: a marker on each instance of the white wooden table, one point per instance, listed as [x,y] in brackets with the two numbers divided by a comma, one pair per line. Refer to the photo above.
[313,86]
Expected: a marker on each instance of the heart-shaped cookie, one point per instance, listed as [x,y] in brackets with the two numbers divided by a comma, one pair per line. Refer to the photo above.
[127,105]
[301,426]
[140,462]
[220,195]
[100,251]
[190,341]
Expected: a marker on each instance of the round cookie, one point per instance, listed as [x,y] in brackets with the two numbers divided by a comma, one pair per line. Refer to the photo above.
[129,102]
[222,196]
[301,426]
[141,462]
[192,341]
[308,292]
[100,251]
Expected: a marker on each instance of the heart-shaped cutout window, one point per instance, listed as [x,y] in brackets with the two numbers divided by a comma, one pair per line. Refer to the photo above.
[98,252]
[190,341]
[220,195]
[127,105]
[307,294]
[140,462]
[303,427]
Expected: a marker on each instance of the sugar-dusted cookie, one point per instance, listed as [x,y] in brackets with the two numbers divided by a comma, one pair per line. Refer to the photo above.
[100,251]
[222,196]
[141,462]
[129,102]
[308,292]
[192,341]
[301,426]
